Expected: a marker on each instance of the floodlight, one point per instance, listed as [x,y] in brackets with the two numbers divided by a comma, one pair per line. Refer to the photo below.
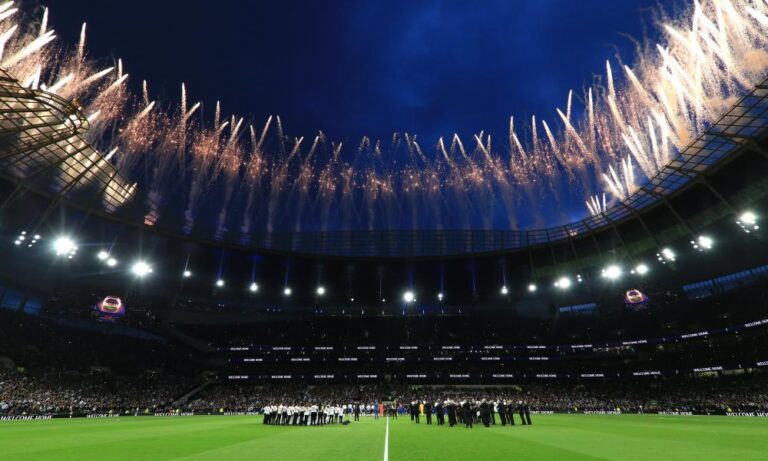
[563,283]
[666,254]
[705,242]
[641,269]
[612,272]
[749,218]
[64,246]
[141,269]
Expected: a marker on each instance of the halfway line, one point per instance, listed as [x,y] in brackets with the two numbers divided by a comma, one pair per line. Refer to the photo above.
[386,442]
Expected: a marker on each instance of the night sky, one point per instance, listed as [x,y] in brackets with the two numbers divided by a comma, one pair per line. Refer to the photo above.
[354,68]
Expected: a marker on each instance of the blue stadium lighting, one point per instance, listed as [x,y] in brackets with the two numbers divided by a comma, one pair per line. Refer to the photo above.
[254,287]
[102,255]
[409,297]
[287,291]
[748,221]
[320,291]
[111,262]
[612,272]
[141,269]
[532,287]
[220,283]
[439,296]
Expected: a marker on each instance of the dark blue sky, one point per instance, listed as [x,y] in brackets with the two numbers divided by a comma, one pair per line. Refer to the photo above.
[354,68]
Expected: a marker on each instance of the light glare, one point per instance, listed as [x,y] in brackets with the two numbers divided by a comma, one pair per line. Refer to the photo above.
[612,272]
[64,246]
[141,269]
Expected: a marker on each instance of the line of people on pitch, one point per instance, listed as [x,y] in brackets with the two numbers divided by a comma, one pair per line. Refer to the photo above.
[468,412]
[304,415]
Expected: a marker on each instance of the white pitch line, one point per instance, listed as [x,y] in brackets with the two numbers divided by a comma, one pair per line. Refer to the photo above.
[386,442]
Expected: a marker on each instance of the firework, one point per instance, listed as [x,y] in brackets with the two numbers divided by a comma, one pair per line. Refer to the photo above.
[604,144]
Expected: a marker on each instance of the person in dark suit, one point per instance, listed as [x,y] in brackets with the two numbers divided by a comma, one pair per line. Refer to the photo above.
[485,413]
[468,414]
[357,412]
[502,409]
[428,412]
[415,410]
[510,409]
[527,413]
[521,411]
[439,413]
[451,413]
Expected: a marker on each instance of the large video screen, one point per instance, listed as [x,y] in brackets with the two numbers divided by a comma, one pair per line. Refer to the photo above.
[636,299]
[110,308]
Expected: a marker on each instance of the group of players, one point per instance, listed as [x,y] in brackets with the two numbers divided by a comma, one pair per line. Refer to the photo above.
[466,412]
[470,413]
[304,415]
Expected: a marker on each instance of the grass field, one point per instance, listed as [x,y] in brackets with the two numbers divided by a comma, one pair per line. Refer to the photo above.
[231,438]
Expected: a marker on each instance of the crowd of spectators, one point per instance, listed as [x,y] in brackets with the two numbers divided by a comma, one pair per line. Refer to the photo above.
[69,393]
[714,395]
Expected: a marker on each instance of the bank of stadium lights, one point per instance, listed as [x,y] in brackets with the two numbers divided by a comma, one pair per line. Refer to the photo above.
[64,246]
[141,269]
[253,287]
[612,272]
[287,291]
[220,283]
[666,255]
[440,296]
[703,243]
[640,269]
[24,239]
[532,287]
[504,290]
[186,274]
[320,291]
[105,258]
[563,283]
[409,296]
[748,221]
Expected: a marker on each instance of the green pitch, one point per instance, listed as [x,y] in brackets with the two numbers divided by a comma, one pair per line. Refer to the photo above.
[232,438]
